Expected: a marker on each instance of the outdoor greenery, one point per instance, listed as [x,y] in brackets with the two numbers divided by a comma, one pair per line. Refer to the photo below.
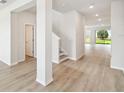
[105,41]
[102,34]
[103,37]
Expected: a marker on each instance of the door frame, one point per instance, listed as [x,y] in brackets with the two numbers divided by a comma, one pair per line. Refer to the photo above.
[34,39]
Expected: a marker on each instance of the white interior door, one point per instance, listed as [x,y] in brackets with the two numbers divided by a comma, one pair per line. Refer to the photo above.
[29,40]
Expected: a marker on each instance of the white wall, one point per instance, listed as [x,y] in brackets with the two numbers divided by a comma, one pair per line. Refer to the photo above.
[5,38]
[69,34]
[21,19]
[74,32]
[117,25]
[70,28]
[14,36]
[5,31]
[80,36]
[57,22]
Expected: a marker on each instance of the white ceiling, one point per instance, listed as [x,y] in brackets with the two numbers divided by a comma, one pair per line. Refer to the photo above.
[102,7]
[31,10]
[6,4]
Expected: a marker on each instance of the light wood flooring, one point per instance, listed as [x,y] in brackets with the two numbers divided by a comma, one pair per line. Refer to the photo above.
[90,73]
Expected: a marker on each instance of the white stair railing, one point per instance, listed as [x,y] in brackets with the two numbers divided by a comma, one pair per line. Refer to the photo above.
[55,48]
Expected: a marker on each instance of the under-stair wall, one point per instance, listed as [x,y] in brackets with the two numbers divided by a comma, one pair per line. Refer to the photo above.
[69,27]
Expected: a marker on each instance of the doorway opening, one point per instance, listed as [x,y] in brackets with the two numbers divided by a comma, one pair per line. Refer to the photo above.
[24,33]
[103,36]
[29,41]
[87,37]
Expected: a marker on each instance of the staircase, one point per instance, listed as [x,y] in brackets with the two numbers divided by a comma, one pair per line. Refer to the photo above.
[62,56]
[58,54]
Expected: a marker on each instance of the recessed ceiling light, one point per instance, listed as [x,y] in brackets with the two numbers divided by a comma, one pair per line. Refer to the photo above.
[97,15]
[91,6]
[99,19]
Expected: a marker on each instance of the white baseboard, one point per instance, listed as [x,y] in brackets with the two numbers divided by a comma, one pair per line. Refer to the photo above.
[55,62]
[5,62]
[10,63]
[118,68]
[13,64]
[76,59]
[43,83]
[21,60]
[81,56]
[72,58]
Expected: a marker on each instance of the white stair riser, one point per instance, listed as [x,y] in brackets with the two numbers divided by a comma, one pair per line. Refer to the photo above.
[64,59]
[61,54]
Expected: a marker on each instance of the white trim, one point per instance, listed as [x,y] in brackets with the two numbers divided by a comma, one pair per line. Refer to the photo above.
[14,64]
[76,59]
[10,64]
[34,38]
[53,61]
[64,51]
[55,48]
[43,83]
[64,59]
[40,82]
[81,56]
[118,68]
[21,60]
[61,54]
[3,61]
[72,58]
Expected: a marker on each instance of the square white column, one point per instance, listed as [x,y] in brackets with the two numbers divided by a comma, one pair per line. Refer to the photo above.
[44,42]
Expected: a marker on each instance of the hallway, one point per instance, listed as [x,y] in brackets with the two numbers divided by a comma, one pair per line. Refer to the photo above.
[91,73]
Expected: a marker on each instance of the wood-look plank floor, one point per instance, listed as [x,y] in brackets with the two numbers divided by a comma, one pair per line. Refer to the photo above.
[90,73]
